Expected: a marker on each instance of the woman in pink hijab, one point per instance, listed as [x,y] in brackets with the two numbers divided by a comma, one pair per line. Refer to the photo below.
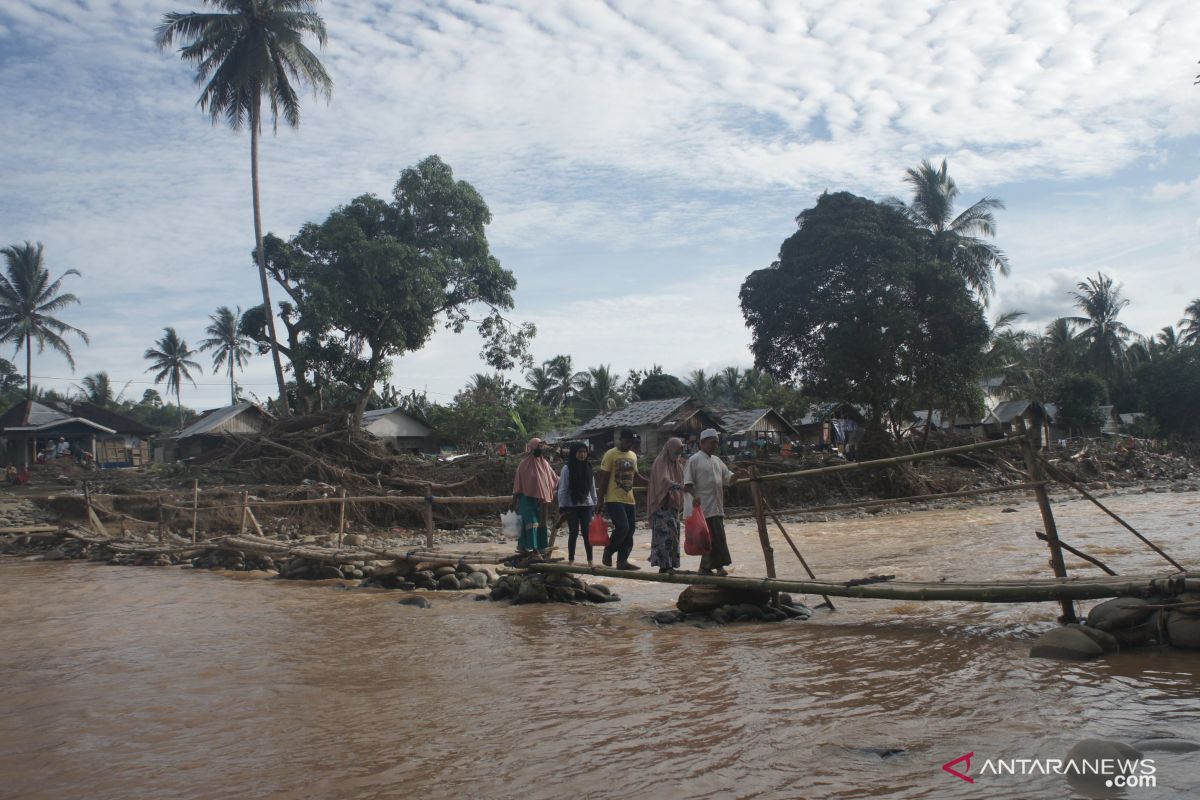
[533,488]
[664,504]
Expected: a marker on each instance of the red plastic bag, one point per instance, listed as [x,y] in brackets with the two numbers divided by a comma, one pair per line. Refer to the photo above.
[598,532]
[697,540]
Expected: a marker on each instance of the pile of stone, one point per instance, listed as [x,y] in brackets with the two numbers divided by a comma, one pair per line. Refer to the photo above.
[410,575]
[539,587]
[717,604]
[234,560]
[45,547]
[140,560]
[1124,623]
[304,569]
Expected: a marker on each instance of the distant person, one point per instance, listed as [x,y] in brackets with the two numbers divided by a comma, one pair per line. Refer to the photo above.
[614,483]
[502,450]
[62,449]
[705,476]
[533,488]
[664,504]
[577,498]
[11,475]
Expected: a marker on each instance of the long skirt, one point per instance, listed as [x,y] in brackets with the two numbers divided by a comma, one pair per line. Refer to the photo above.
[664,539]
[534,535]
[719,556]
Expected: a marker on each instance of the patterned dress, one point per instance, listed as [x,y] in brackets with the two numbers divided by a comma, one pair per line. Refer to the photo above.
[664,539]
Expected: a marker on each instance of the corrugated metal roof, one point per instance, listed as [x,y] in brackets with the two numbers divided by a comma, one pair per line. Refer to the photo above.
[643,412]
[738,421]
[211,420]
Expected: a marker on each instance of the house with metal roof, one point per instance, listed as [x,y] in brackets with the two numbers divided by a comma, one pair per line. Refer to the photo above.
[653,421]
[401,430]
[212,427]
[755,427]
[30,427]
[1001,420]
[831,424]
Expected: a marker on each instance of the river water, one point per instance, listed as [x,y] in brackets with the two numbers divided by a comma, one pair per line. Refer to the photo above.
[119,682]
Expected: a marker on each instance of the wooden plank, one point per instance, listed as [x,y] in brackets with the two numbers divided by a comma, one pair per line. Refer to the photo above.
[31,529]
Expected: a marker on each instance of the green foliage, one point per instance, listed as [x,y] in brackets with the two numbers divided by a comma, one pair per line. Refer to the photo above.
[659,386]
[1104,335]
[597,391]
[373,280]
[1169,389]
[1078,396]
[855,308]
[230,346]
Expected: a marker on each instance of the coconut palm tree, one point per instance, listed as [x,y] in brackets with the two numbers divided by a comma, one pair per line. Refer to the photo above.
[956,240]
[1189,326]
[1104,334]
[28,299]
[562,372]
[1166,341]
[597,391]
[229,346]
[172,358]
[541,384]
[702,387]
[97,389]
[248,50]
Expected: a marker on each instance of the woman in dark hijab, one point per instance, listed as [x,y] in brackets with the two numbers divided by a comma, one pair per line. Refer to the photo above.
[577,497]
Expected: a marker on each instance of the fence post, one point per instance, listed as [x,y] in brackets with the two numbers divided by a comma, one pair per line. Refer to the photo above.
[245,511]
[341,515]
[429,516]
[160,520]
[1030,440]
[195,507]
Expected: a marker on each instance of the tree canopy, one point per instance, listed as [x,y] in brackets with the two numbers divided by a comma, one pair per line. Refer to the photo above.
[375,279]
[857,308]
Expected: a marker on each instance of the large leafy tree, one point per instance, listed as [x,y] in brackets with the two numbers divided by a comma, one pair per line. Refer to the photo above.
[172,359]
[957,240]
[231,348]
[245,51]
[374,280]
[29,299]
[855,309]
[1105,336]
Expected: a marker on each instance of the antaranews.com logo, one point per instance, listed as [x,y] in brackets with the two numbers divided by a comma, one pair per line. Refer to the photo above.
[1111,773]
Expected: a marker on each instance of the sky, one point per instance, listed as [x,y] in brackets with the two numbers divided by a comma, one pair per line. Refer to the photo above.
[639,159]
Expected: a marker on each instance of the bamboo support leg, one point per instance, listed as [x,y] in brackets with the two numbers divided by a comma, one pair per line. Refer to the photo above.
[1043,500]
[245,511]
[1057,474]
[796,550]
[763,536]
[1080,554]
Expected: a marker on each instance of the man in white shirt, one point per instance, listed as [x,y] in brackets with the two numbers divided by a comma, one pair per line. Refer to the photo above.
[705,476]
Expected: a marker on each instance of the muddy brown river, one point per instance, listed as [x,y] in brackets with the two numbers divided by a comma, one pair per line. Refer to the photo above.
[120,682]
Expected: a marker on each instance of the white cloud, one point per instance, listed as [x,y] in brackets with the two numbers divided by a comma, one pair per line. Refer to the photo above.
[666,140]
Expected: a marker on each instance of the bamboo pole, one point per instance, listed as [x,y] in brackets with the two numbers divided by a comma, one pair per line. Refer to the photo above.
[796,550]
[760,520]
[195,507]
[254,521]
[1032,591]
[341,515]
[428,512]
[1059,476]
[1043,500]
[160,520]
[1012,487]
[93,517]
[402,500]
[245,511]
[1079,554]
[891,462]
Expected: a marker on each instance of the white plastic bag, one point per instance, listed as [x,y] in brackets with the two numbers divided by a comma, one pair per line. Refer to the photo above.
[510,524]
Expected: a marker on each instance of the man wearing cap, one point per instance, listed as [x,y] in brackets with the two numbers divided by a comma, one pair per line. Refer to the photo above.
[705,476]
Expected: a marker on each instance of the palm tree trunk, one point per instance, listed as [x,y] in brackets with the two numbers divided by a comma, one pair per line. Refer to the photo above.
[179,405]
[232,388]
[29,367]
[262,257]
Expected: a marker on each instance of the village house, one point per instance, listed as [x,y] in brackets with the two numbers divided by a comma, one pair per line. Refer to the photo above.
[209,431]
[748,429]
[831,425]
[113,440]
[1001,420]
[396,427]
[653,421]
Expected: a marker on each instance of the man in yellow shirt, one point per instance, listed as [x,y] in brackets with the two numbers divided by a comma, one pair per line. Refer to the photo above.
[614,486]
